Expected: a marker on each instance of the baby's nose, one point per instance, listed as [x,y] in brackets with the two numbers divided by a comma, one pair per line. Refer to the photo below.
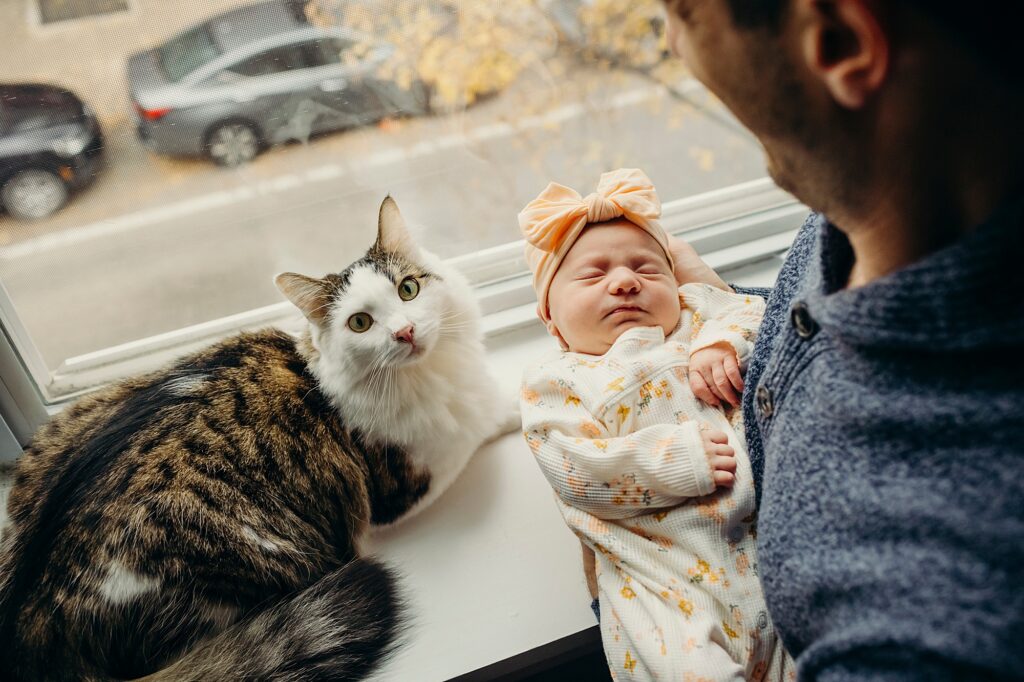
[624,281]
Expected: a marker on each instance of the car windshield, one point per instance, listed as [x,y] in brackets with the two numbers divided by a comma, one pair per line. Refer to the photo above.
[27,108]
[185,53]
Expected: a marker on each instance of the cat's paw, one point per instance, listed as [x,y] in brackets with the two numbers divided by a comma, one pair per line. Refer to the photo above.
[512,420]
[508,420]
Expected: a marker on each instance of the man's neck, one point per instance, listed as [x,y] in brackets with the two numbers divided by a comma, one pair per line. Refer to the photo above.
[894,235]
[920,207]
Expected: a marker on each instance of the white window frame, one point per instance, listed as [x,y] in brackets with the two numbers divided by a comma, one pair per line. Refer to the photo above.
[730,227]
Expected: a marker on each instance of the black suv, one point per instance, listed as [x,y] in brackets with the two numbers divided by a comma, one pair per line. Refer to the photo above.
[50,144]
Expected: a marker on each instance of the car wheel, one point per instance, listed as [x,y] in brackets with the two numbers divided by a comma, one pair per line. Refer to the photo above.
[34,194]
[233,144]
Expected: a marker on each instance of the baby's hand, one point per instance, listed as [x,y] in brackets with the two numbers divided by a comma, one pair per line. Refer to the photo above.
[721,457]
[715,375]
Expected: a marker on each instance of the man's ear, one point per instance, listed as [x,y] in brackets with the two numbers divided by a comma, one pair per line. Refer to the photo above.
[845,44]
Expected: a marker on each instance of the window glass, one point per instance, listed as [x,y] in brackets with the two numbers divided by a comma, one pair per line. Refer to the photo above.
[278,60]
[185,53]
[162,204]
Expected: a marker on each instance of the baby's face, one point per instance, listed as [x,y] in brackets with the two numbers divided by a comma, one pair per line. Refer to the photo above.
[614,278]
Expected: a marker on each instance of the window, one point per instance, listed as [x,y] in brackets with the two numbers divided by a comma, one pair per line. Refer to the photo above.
[143,238]
[184,54]
[55,11]
[278,60]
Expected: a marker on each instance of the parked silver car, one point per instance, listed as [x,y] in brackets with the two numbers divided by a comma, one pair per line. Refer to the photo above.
[257,76]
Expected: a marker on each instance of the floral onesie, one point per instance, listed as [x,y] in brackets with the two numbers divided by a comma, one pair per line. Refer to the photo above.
[618,437]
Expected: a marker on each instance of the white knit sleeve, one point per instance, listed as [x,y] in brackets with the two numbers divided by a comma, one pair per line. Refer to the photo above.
[720,316]
[609,476]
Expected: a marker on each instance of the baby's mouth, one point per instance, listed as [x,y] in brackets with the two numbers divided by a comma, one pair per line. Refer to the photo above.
[625,309]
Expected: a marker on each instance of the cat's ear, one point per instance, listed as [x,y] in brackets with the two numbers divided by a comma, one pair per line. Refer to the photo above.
[310,295]
[392,233]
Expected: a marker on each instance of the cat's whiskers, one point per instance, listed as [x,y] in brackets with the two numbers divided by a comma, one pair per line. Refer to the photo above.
[388,400]
[380,376]
[455,325]
[453,317]
[328,304]
[454,330]
[454,321]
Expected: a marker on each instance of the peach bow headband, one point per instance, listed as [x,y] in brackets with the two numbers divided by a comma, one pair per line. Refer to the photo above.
[553,221]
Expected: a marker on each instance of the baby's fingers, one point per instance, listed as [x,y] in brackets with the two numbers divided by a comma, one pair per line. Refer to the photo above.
[720,463]
[723,479]
[723,385]
[732,370]
[701,390]
[716,436]
[723,470]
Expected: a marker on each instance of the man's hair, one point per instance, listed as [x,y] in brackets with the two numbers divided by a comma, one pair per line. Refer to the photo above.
[987,28]
[757,13]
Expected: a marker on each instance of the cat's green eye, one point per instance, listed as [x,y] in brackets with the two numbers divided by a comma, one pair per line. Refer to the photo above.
[408,289]
[360,322]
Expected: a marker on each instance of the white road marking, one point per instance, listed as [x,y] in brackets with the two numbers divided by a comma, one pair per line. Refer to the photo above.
[324,173]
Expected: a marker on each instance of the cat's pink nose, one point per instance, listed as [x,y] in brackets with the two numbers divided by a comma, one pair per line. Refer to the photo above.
[405,334]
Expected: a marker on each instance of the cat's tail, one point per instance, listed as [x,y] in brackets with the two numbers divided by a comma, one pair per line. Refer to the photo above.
[340,628]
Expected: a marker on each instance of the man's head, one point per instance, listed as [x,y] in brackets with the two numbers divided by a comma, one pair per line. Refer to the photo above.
[845,94]
[615,277]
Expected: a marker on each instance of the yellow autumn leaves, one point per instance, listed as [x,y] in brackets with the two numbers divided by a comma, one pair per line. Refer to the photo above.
[467,49]
[462,49]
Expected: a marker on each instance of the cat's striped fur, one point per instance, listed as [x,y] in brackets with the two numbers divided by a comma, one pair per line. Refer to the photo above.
[202,522]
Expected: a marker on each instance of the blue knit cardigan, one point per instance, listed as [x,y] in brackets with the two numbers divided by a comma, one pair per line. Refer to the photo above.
[886,431]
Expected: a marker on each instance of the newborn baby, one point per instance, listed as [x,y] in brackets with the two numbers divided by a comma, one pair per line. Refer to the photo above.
[653,480]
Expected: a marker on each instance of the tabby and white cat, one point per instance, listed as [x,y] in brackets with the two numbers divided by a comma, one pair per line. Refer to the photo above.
[203,522]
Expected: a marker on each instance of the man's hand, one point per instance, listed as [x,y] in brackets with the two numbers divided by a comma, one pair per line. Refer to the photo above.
[721,457]
[715,375]
[690,267]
